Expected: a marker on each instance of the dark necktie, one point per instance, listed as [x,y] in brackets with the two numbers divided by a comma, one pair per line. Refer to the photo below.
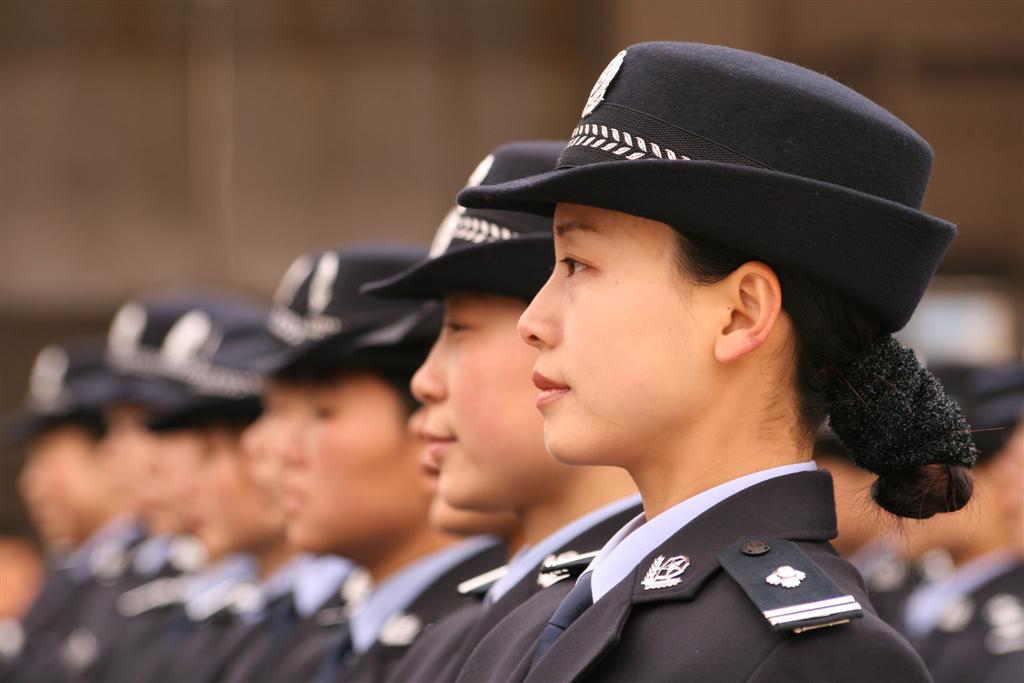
[575,604]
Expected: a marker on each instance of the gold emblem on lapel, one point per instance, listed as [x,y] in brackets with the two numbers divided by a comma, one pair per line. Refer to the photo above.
[665,573]
[786,576]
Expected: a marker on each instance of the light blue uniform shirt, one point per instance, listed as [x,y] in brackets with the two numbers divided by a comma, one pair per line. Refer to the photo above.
[926,604]
[113,538]
[152,554]
[529,558]
[398,591]
[281,582]
[319,577]
[638,539]
[209,590]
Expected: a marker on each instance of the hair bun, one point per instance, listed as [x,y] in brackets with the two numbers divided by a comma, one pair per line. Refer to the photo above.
[922,492]
[894,415]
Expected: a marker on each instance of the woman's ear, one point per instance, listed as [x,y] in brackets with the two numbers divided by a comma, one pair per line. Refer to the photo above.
[752,300]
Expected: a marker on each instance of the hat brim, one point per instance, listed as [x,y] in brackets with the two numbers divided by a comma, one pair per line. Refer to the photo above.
[24,425]
[199,412]
[516,268]
[879,253]
[399,346]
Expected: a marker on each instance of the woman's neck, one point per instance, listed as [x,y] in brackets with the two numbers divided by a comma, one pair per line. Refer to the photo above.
[710,453]
[587,489]
[272,557]
[416,545]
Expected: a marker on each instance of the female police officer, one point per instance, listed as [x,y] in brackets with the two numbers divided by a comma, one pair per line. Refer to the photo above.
[735,239]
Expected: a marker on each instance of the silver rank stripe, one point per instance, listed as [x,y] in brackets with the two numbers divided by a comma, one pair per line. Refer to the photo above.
[812,610]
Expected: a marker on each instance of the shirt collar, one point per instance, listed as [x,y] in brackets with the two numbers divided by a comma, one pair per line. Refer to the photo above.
[282,581]
[207,589]
[398,591]
[152,554]
[529,559]
[639,538]
[873,554]
[112,538]
[319,578]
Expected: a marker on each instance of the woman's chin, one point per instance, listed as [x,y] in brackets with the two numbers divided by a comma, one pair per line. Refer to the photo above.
[572,450]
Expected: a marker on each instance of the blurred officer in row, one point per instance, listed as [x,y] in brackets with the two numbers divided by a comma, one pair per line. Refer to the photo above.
[197,448]
[352,483]
[969,623]
[485,438]
[68,488]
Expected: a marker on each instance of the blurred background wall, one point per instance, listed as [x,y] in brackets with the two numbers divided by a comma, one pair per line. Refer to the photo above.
[146,143]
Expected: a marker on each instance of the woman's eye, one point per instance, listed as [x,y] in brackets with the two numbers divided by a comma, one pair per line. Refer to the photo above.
[322,412]
[454,327]
[573,266]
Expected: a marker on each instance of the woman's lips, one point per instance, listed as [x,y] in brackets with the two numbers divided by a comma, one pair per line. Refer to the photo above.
[433,454]
[292,499]
[550,390]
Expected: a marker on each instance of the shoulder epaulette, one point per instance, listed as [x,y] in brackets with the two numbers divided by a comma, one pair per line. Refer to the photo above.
[479,585]
[567,565]
[790,590]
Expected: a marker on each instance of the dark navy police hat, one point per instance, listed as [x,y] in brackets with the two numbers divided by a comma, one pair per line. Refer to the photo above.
[760,155]
[69,383]
[484,251]
[992,398]
[320,320]
[201,345]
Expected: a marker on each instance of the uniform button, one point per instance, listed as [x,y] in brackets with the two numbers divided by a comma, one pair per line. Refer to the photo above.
[755,548]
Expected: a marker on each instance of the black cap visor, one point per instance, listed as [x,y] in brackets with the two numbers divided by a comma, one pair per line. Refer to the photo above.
[516,268]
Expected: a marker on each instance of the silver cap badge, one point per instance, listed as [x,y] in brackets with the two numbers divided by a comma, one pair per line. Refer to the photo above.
[603,81]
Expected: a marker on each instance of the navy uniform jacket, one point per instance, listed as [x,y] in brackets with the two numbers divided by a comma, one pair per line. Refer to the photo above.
[44,628]
[438,655]
[706,628]
[146,605]
[288,648]
[440,598]
[981,639]
[74,621]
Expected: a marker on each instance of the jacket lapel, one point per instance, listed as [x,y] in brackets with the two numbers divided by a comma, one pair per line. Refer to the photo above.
[797,507]
[596,632]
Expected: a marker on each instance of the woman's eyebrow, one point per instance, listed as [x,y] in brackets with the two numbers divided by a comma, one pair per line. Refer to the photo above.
[572,225]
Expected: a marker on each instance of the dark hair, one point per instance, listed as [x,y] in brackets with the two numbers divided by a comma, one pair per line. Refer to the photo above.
[905,446]
[326,365]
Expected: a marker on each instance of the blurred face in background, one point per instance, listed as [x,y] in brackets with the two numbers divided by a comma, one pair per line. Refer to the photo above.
[173,476]
[354,486]
[234,513]
[287,415]
[130,450]
[450,519]
[66,488]
[485,437]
